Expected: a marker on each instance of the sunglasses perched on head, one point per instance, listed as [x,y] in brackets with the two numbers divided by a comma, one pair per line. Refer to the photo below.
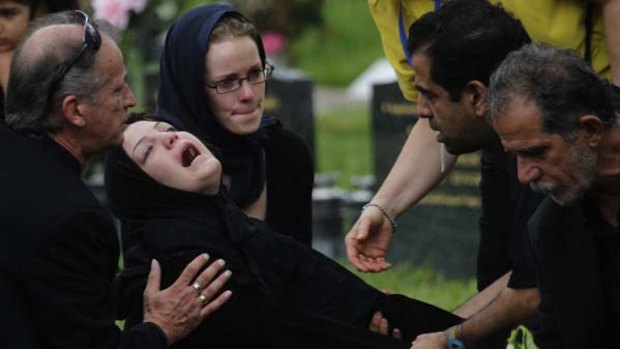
[92,42]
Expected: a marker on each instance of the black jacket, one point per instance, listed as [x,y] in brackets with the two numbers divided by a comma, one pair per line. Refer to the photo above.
[59,254]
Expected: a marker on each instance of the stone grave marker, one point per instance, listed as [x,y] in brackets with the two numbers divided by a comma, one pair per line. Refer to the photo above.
[290,100]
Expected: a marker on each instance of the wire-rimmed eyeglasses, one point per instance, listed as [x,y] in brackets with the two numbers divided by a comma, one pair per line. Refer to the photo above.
[92,42]
[257,76]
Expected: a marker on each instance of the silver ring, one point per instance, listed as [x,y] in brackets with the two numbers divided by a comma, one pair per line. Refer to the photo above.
[197,287]
[203,298]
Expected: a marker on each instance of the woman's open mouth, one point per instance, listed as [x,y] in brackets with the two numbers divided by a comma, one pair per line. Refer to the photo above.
[189,154]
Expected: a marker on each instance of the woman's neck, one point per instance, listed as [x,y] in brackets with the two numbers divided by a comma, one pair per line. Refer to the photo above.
[258,209]
[5,67]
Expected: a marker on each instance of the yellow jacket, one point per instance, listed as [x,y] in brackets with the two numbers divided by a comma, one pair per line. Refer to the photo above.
[555,22]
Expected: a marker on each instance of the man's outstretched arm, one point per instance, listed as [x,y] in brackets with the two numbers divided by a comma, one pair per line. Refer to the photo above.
[417,170]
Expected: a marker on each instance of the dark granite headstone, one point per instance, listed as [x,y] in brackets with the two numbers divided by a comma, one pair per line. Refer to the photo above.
[290,101]
[441,230]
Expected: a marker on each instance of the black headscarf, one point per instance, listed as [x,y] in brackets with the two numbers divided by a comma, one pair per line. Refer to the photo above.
[132,194]
[182,101]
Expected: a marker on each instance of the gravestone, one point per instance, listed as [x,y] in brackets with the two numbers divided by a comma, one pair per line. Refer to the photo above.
[442,229]
[290,101]
[327,200]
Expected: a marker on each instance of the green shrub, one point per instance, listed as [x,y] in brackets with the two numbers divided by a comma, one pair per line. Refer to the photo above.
[337,52]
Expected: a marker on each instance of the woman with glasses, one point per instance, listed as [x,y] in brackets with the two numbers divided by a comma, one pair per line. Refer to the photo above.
[15,15]
[213,75]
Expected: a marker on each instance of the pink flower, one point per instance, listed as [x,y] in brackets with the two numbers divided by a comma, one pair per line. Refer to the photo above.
[117,12]
[274,43]
[137,6]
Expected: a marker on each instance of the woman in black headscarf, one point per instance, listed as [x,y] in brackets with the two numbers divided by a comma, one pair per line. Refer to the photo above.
[283,293]
[213,73]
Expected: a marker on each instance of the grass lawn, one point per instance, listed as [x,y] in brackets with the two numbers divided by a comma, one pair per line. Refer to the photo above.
[343,143]
[423,284]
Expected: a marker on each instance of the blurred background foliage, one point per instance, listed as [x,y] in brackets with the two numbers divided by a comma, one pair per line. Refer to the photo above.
[332,41]
[291,18]
[342,48]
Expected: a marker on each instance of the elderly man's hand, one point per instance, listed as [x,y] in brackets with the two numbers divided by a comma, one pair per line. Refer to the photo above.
[368,241]
[181,307]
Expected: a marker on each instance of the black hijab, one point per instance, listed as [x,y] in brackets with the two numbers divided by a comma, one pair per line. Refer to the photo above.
[138,199]
[133,194]
[182,102]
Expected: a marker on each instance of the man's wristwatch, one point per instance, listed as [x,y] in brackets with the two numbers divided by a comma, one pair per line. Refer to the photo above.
[454,343]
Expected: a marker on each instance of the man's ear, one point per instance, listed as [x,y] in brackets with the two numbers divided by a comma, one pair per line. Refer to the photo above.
[71,111]
[475,92]
[593,127]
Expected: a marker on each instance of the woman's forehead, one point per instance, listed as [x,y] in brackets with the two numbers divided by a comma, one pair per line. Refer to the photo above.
[137,131]
[148,125]
[236,50]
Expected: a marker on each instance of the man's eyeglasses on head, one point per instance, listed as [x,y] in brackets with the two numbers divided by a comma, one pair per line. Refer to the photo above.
[257,76]
[92,42]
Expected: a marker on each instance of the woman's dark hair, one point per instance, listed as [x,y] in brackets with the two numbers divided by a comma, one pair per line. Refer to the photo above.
[43,7]
[51,6]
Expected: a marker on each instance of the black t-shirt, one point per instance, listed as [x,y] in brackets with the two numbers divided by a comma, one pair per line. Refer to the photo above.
[506,207]
[577,256]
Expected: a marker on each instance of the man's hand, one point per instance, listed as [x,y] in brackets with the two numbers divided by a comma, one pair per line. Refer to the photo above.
[181,307]
[435,340]
[368,241]
[379,324]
